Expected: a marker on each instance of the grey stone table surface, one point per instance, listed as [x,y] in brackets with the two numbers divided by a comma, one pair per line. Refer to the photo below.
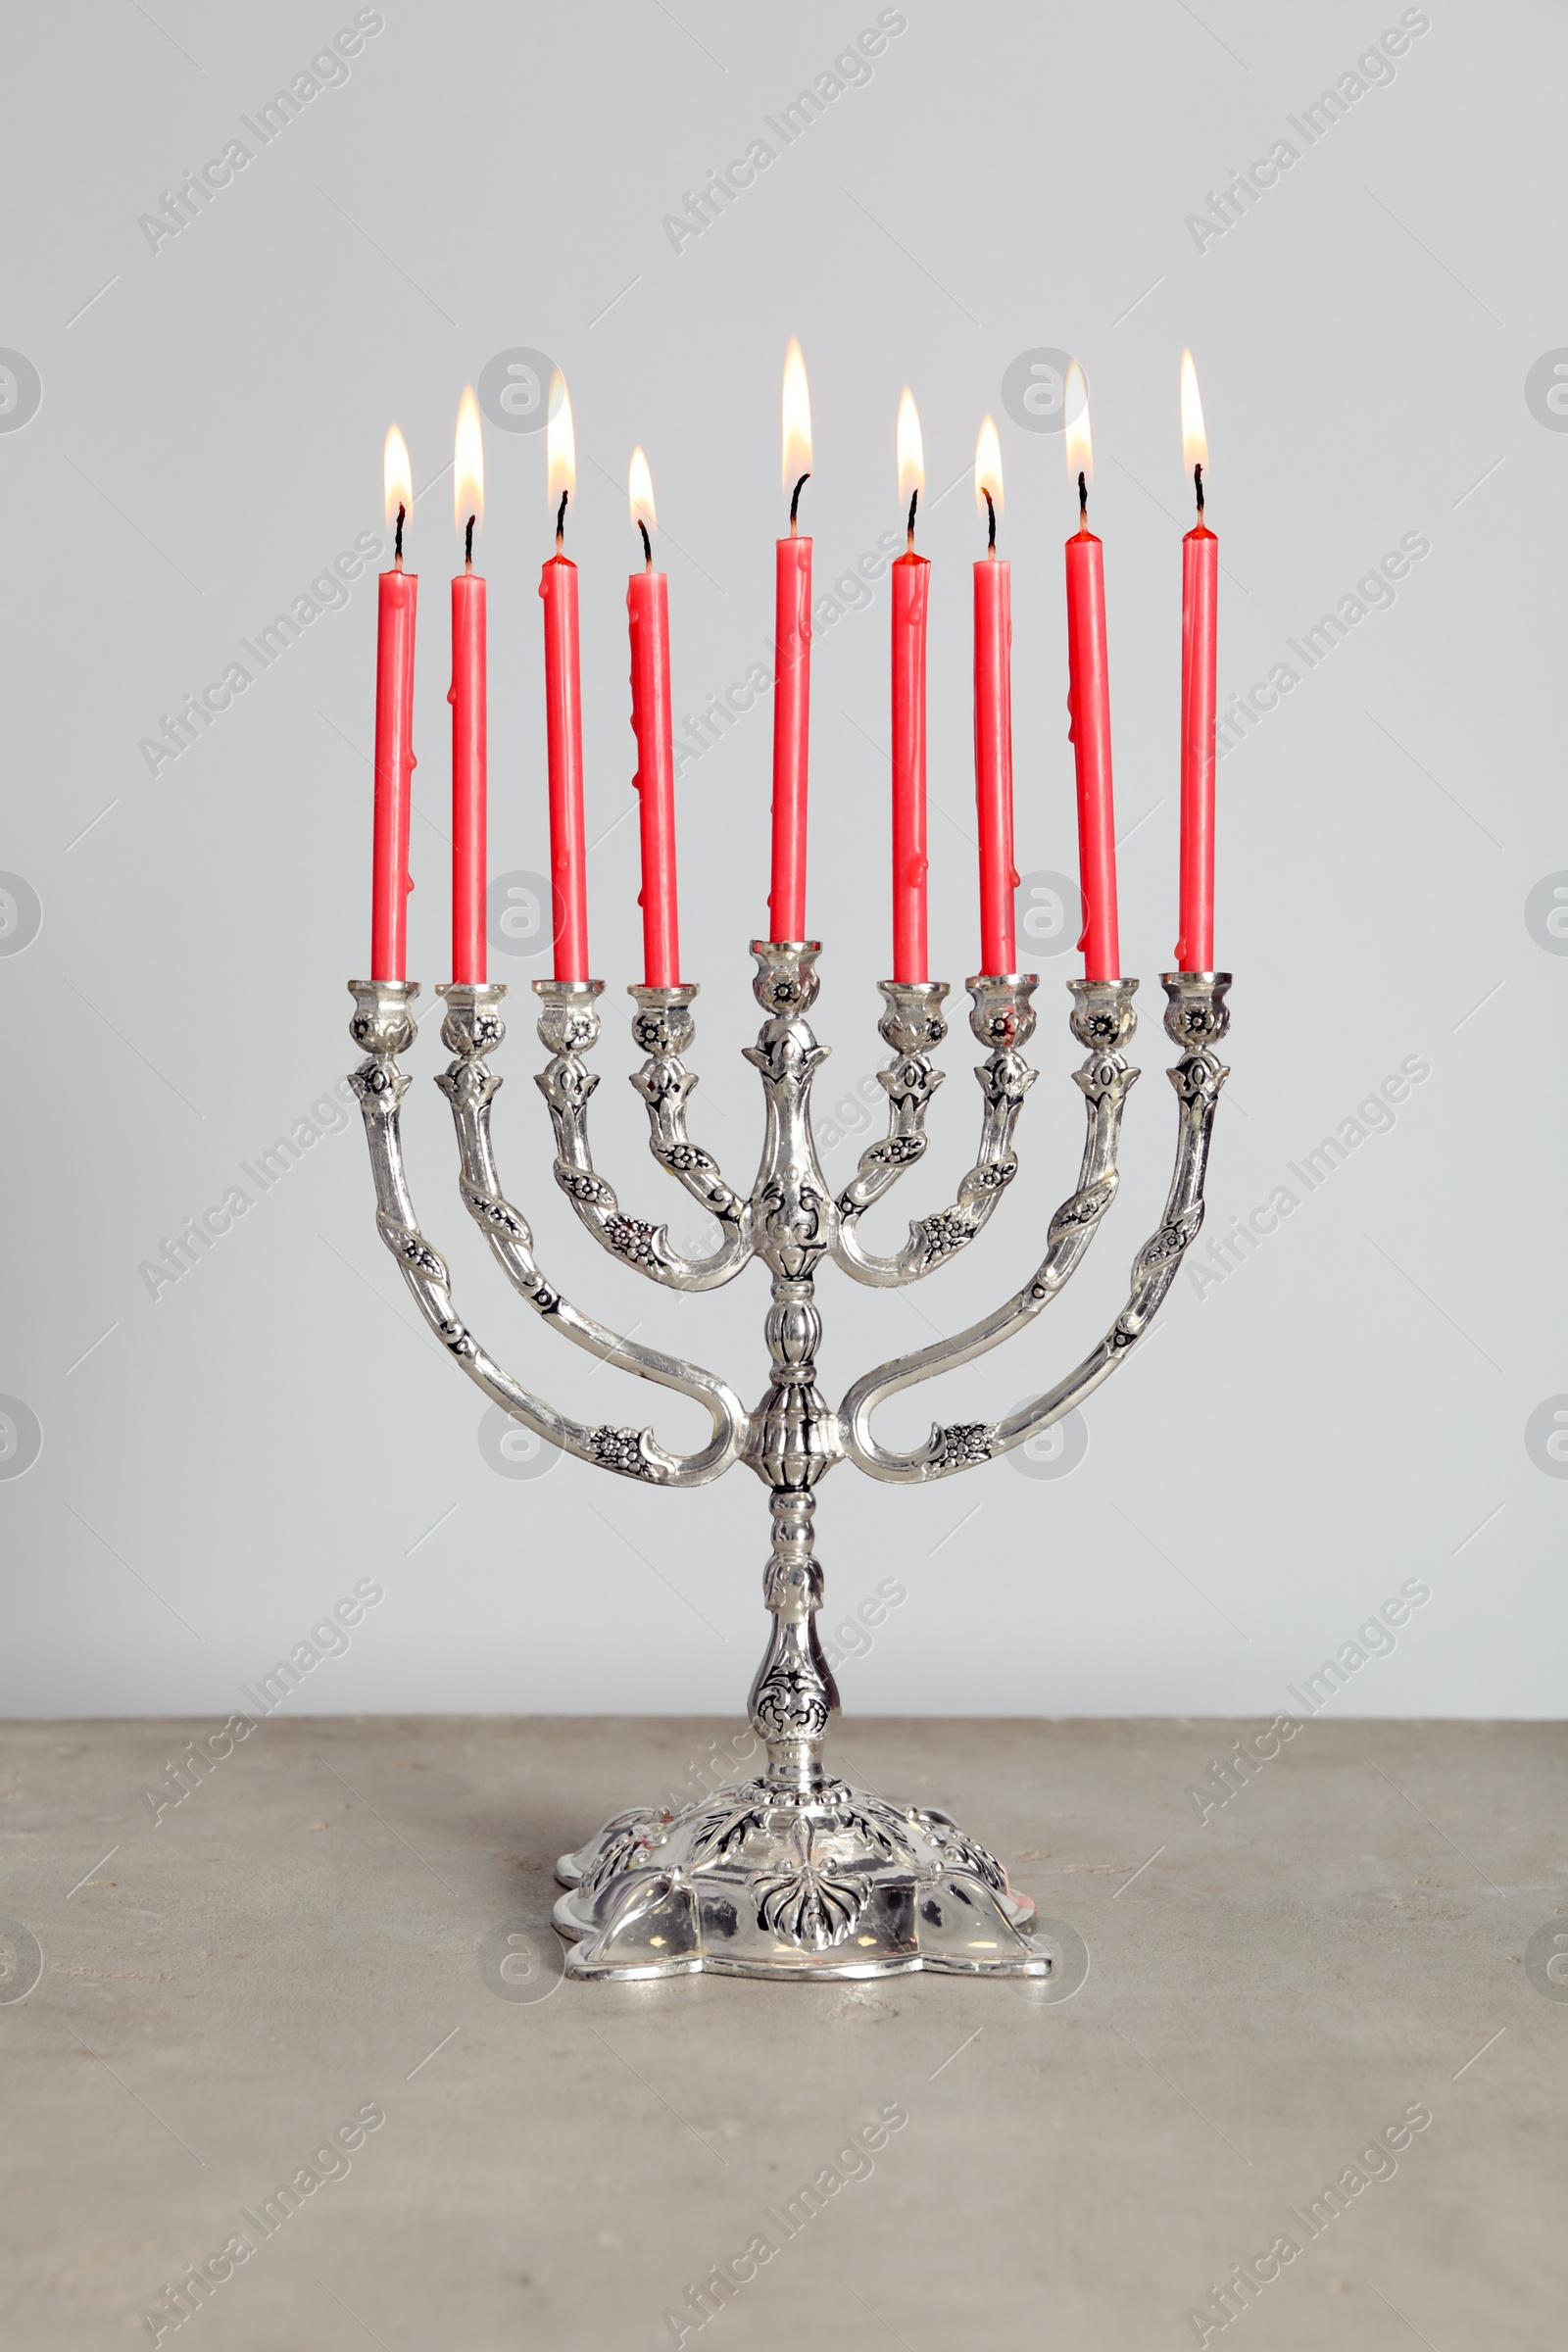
[297,1978]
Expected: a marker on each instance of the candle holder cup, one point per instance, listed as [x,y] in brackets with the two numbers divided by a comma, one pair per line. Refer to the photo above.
[794,1872]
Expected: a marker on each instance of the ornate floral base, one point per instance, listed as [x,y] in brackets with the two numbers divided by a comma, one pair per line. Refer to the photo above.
[755,1881]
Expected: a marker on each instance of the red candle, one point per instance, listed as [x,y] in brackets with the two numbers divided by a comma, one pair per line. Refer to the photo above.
[557,586]
[648,618]
[470,729]
[1195,949]
[1089,706]
[993,718]
[394,731]
[911,576]
[792,662]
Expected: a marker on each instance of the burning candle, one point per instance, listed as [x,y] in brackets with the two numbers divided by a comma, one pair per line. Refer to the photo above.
[648,618]
[792,662]
[1195,949]
[993,718]
[911,576]
[469,726]
[557,586]
[394,729]
[1089,704]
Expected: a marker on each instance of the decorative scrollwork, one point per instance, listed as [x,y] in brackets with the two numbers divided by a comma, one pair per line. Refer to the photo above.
[786,980]
[378,1085]
[581,1184]
[940,1236]
[955,1846]
[880,1829]
[411,1250]
[1168,1242]
[627,1842]
[790,1704]
[1103,1018]
[683,1159]
[962,1445]
[897,1151]
[381,1025]
[724,1832]
[811,1906]
[498,1215]
[625,1450]
[1196,1011]
[630,1238]
[1198,1077]
[1084,1208]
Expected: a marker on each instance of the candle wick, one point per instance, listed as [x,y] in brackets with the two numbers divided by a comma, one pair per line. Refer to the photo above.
[1083,502]
[1198,485]
[467,543]
[561,521]
[397,544]
[648,545]
[795,506]
[991,532]
[909,540]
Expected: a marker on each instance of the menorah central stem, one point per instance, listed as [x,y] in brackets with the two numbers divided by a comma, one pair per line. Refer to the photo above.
[794,1696]
[794,1434]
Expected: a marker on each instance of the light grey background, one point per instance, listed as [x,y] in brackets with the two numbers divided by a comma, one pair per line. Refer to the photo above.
[1347,1409]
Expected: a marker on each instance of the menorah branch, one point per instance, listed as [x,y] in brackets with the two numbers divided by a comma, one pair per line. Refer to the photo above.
[569,1025]
[1196,1017]
[912,1023]
[1002,1017]
[383,1024]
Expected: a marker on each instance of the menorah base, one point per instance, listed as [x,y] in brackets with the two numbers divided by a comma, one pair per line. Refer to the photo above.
[755,1882]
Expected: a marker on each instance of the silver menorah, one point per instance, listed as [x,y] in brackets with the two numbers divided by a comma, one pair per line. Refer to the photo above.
[794,1873]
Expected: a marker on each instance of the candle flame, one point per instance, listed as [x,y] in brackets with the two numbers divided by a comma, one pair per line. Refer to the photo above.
[468,464]
[1195,441]
[912,452]
[640,491]
[398,476]
[987,468]
[560,443]
[797,417]
[1080,449]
